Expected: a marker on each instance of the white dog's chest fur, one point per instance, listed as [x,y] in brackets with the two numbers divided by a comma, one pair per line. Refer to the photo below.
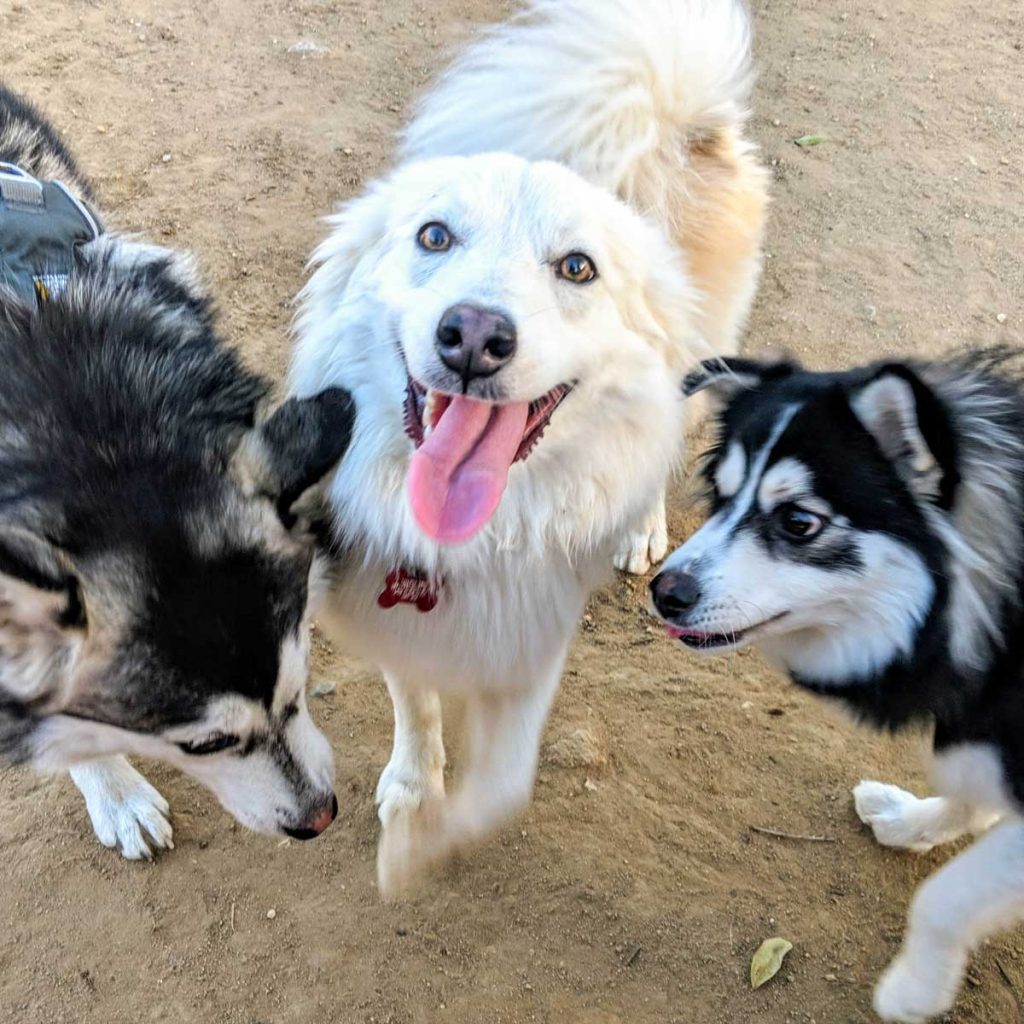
[490,630]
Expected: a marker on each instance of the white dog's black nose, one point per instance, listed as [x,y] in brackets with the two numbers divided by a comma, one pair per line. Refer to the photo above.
[674,593]
[474,341]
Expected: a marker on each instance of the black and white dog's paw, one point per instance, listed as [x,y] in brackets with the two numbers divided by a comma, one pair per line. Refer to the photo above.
[912,992]
[894,816]
[126,812]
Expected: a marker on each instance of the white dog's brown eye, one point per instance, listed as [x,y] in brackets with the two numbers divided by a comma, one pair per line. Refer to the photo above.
[578,268]
[797,524]
[435,237]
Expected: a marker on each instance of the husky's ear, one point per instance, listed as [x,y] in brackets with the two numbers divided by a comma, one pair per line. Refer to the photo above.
[725,377]
[41,612]
[294,450]
[912,428]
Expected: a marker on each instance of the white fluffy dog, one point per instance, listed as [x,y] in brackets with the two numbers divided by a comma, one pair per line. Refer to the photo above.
[576,214]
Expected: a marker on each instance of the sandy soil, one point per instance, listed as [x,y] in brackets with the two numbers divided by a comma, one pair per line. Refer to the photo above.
[634,890]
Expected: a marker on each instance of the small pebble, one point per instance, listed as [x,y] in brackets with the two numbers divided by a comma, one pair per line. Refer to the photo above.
[271,914]
[1000,318]
[166,158]
[306,47]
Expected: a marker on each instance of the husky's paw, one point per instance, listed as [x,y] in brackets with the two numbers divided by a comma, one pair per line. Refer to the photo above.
[126,812]
[890,812]
[913,993]
[645,546]
[404,786]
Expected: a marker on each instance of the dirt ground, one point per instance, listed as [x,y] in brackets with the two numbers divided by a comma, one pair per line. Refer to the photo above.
[634,890]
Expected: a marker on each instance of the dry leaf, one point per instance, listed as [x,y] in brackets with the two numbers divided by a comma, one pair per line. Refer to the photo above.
[323,689]
[809,140]
[767,961]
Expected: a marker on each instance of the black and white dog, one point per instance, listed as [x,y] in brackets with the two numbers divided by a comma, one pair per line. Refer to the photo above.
[868,534]
[156,546]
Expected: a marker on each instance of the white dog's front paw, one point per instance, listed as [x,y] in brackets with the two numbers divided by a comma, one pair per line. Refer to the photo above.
[912,993]
[126,812]
[888,810]
[644,547]
[404,786]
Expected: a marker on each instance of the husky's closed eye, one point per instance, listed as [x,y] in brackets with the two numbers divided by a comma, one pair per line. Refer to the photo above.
[212,745]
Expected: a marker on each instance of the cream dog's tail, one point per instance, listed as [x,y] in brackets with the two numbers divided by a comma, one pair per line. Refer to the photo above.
[618,90]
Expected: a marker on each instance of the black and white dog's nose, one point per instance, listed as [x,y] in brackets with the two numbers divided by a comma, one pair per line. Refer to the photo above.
[674,593]
[474,341]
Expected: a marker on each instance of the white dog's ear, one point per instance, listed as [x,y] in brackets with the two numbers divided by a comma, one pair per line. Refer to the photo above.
[356,229]
[912,428]
[41,614]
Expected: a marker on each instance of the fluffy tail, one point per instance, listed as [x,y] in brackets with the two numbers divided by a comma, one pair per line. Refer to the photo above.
[618,90]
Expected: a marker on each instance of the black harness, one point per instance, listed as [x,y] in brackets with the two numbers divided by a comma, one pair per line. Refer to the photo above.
[41,225]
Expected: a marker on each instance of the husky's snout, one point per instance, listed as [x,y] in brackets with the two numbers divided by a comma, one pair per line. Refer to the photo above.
[675,593]
[317,822]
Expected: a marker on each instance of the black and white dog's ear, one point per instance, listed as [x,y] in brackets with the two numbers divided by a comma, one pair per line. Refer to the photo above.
[42,611]
[295,449]
[725,377]
[912,428]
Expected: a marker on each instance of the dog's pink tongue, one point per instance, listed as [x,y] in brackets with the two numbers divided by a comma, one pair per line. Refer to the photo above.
[459,473]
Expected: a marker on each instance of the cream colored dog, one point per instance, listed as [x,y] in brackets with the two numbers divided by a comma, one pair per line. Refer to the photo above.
[576,215]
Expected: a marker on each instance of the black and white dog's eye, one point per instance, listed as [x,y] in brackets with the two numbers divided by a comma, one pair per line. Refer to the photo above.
[578,268]
[211,745]
[796,523]
[434,237]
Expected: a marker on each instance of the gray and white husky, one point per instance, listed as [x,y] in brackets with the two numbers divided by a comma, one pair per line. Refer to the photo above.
[867,532]
[157,548]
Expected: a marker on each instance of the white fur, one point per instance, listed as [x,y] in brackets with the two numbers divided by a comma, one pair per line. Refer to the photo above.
[618,92]
[977,894]
[731,471]
[513,594]
[788,480]
[880,611]
[907,822]
[126,812]
[612,90]
[617,100]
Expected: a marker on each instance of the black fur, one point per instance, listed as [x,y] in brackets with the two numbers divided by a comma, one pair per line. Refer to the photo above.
[27,140]
[122,413]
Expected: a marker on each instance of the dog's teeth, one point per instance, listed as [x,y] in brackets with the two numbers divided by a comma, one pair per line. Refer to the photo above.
[429,409]
[428,429]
